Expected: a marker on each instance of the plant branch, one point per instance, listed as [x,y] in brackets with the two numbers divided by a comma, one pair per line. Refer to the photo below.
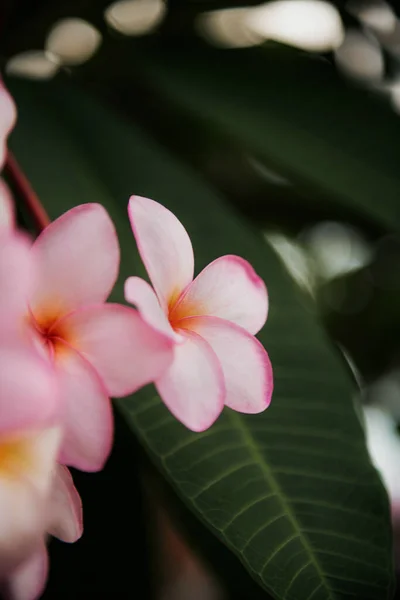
[28,195]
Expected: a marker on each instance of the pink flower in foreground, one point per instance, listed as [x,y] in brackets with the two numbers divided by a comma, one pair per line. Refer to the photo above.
[97,349]
[27,461]
[212,321]
[28,581]
[29,414]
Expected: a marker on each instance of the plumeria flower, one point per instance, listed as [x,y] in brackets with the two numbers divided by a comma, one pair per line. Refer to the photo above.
[29,415]
[211,320]
[30,399]
[27,462]
[28,581]
[97,349]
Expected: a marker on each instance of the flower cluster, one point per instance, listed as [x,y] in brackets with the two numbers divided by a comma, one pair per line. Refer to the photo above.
[64,351]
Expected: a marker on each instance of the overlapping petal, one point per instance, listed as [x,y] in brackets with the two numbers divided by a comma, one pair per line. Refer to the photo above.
[87,418]
[164,246]
[28,581]
[28,391]
[193,387]
[22,523]
[17,273]
[244,361]
[78,256]
[141,294]
[66,522]
[125,351]
[25,480]
[228,288]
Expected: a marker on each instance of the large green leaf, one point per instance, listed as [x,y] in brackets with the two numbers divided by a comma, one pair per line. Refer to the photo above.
[293,110]
[292,491]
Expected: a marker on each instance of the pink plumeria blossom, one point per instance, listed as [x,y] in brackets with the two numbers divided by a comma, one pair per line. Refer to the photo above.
[97,349]
[211,320]
[28,392]
[29,413]
[27,462]
[28,581]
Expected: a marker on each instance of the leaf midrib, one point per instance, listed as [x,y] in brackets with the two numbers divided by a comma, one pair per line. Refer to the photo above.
[274,485]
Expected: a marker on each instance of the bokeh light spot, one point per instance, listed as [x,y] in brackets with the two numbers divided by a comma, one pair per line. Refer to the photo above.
[73,41]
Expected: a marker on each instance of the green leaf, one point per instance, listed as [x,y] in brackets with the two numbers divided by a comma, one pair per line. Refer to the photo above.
[296,112]
[291,491]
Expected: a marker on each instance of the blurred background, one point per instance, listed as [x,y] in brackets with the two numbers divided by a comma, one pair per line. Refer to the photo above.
[291,109]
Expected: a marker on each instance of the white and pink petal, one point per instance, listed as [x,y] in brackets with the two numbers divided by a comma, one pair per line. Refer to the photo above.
[25,480]
[228,288]
[245,363]
[29,580]
[126,352]
[66,521]
[193,388]
[164,247]
[29,395]
[17,275]
[142,295]
[78,255]
[87,417]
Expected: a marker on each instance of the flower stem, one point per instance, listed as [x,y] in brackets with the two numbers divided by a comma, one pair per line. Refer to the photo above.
[24,189]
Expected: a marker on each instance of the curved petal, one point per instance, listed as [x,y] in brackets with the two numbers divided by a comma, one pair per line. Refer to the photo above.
[125,351]
[22,524]
[6,206]
[25,480]
[78,256]
[244,361]
[193,388]
[8,115]
[29,580]
[66,507]
[164,246]
[140,293]
[17,273]
[28,391]
[228,288]
[88,420]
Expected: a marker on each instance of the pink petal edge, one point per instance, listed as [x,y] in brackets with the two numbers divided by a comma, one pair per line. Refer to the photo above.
[228,288]
[164,246]
[142,295]
[245,363]
[125,351]
[66,507]
[28,582]
[88,420]
[24,375]
[24,496]
[78,255]
[18,270]
[193,388]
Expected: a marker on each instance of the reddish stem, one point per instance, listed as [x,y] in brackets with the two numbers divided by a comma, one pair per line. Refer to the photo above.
[24,189]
